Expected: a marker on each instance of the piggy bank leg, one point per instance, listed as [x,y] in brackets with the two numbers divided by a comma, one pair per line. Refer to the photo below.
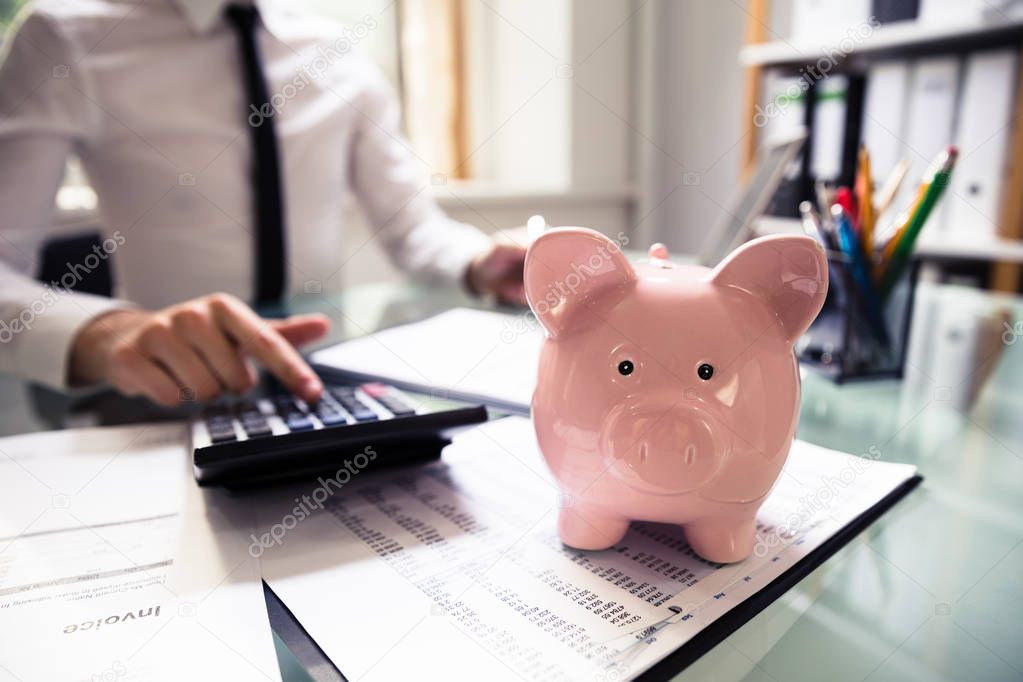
[583,527]
[722,540]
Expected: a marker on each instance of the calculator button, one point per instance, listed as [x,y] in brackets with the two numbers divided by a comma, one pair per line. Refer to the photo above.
[326,405]
[300,423]
[364,415]
[258,431]
[376,389]
[287,406]
[396,406]
[222,436]
[333,419]
[328,414]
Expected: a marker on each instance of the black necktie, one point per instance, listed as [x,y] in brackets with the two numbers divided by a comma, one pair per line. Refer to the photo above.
[266,179]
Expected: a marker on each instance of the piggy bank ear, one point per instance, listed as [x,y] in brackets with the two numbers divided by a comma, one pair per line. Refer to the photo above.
[789,272]
[567,269]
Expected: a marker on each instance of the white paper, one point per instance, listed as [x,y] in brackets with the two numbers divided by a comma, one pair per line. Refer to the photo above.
[457,567]
[115,565]
[462,353]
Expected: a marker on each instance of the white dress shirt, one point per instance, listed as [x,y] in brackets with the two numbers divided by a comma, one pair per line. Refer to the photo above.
[150,96]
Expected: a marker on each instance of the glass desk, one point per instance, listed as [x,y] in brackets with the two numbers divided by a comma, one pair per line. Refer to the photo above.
[932,591]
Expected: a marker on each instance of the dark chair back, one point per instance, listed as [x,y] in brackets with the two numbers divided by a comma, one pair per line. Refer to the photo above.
[77,262]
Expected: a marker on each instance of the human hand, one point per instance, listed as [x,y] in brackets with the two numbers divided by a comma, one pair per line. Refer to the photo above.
[499,271]
[198,350]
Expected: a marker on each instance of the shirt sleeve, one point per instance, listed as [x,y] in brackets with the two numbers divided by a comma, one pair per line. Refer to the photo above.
[392,185]
[43,114]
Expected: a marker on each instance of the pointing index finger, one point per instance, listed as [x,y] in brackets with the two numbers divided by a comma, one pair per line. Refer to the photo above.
[258,337]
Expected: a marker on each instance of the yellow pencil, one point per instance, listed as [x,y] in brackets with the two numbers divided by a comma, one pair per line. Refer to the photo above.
[900,225]
[865,203]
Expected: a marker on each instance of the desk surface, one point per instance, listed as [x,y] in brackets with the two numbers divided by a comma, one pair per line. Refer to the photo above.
[932,591]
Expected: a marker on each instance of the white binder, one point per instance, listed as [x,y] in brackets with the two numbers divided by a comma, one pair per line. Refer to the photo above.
[884,114]
[828,129]
[982,135]
[929,126]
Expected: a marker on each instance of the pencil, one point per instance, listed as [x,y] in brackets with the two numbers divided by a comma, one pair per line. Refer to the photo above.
[935,181]
[891,186]
[865,202]
[825,197]
[905,219]
[898,228]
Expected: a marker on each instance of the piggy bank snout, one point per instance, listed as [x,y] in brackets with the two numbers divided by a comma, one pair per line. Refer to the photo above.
[666,450]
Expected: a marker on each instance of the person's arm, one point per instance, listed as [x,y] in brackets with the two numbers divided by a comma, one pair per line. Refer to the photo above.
[194,350]
[43,114]
[392,186]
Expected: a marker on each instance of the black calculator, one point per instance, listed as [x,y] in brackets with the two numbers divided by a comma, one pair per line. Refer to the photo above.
[275,436]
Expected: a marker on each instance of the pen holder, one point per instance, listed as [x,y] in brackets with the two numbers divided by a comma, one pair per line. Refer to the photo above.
[843,343]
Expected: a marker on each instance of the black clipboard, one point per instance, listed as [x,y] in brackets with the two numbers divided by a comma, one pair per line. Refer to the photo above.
[309,655]
[743,612]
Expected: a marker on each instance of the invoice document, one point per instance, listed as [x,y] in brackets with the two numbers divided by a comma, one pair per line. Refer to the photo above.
[115,565]
[465,354]
[456,567]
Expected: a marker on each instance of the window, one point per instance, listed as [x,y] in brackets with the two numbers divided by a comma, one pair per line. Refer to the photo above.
[380,41]
[8,10]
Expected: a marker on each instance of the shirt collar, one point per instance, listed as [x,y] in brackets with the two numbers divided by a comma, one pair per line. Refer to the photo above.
[202,15]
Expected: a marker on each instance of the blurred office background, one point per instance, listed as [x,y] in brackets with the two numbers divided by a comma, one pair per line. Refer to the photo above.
[638,117]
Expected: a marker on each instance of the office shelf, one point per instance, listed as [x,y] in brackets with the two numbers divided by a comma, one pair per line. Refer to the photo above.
[896,39]
[988,248]
[940,247]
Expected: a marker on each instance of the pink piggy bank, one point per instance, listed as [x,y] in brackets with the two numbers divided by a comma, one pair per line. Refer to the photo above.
[668,393]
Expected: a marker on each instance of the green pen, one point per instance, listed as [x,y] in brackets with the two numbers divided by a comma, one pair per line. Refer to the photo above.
[904,248]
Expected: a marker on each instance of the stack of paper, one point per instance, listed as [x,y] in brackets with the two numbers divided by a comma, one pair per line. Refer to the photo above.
[113,564]
[465,354]
[457,566]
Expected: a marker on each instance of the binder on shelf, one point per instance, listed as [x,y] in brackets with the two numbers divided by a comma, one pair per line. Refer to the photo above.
[784,114]
[828,128]
[814,19]
[982,136]
[884,114]
[837,110]
[957,12]
[892,11]
[930,114]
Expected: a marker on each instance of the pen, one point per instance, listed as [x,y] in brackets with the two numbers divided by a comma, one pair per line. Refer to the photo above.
[825,197]
[898,250]
[865,201]
[813,227]
[844,198]
[851,247]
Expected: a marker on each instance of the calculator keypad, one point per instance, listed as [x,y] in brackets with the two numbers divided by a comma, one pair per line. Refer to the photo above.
[279,415]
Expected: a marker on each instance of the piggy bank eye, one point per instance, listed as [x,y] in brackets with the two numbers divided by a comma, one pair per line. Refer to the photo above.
[625,367]
[705,371]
